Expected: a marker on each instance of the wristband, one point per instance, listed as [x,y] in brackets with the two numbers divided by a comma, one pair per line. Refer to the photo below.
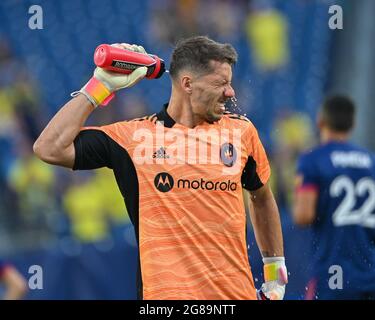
[274,269]
[96,92]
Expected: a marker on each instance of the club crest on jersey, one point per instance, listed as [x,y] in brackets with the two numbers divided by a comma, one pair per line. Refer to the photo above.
[228,154]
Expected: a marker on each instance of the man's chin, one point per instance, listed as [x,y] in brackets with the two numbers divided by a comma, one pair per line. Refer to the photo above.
[214,117]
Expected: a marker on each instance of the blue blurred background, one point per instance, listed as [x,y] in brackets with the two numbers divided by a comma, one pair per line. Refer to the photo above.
[75,225]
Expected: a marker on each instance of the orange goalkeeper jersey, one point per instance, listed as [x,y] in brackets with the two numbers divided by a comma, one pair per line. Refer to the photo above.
[183,191]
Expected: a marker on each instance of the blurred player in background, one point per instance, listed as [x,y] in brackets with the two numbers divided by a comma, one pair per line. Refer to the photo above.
[189,218]
[15,284]
[336,195]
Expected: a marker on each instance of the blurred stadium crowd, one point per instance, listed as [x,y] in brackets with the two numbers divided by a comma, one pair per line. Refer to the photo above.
[77,223]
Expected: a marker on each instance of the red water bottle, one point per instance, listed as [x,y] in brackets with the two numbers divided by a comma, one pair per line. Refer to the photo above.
[126,61]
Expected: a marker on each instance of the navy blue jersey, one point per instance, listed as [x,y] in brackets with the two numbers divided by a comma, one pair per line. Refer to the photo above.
[344,228]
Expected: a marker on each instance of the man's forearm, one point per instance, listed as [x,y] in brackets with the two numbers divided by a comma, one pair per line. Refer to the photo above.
[57,138]
[266,222]
[15,283]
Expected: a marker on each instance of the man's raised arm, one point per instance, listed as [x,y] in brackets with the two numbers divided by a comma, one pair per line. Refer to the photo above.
[55,144]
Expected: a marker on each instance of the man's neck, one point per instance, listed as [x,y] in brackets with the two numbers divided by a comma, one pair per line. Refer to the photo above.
[330,136]
[180,111]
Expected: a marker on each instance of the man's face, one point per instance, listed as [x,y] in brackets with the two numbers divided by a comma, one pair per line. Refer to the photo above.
[211,91]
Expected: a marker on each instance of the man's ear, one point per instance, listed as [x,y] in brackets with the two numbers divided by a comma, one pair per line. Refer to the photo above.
[186,84]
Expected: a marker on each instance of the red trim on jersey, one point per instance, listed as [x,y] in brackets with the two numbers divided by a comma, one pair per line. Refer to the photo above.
[311,289]
[3,269]
[307,187]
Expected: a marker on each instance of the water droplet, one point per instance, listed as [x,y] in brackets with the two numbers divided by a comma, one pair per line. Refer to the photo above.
[234,106]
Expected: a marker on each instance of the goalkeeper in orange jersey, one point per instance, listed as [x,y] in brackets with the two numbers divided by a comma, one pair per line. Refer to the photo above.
[186,205]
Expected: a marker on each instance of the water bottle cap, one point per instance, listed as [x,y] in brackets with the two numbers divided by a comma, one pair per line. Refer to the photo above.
[100,55]
[161,70]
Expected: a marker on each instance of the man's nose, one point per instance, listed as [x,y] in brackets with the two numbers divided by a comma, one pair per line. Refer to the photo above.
[229,91]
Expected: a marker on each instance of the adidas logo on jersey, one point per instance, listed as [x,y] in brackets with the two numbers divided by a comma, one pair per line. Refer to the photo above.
[160,154]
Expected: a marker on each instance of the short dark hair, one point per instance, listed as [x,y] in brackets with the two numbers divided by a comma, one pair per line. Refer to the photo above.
[195,53]
[338,113]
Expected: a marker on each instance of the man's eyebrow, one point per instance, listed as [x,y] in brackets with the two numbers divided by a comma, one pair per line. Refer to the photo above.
[225,81]
[222,80]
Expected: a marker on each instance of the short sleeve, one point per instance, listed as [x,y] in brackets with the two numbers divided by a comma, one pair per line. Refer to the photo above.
[92,150]
[257,170]
[306,172]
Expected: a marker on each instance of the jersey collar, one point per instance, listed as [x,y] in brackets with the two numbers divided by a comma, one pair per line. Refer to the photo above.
[167,120]
[165,117]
